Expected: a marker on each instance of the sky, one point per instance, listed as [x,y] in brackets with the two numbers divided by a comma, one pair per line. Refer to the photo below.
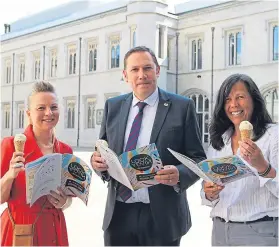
[12,10]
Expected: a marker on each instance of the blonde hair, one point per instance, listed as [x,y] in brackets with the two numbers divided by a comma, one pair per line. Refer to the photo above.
[40,87]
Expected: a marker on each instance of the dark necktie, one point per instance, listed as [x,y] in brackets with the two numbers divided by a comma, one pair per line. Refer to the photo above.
[124,192]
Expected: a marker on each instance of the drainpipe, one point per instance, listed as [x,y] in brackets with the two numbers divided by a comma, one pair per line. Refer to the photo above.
[79,81]
[44,62]
[212,62]
[13,85]
[176,63]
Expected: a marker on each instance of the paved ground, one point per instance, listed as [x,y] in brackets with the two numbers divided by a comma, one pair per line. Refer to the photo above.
[84,222]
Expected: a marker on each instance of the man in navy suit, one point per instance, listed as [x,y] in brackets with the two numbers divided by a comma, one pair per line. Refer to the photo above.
[158,215]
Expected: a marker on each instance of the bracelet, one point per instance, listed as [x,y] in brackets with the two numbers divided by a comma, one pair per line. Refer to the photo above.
[263,174]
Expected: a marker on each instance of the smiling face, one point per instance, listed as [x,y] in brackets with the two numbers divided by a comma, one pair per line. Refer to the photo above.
[43,111]
[239,104]
[141,73]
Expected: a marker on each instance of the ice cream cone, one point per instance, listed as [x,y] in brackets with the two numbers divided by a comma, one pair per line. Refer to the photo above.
[246,130]
[245,134]
[19,142]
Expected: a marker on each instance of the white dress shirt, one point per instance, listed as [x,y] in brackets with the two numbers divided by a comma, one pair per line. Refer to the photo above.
[252,197]
[148,118]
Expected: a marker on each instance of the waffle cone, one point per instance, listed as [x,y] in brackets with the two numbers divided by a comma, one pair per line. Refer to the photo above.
[246,134]
[19,146]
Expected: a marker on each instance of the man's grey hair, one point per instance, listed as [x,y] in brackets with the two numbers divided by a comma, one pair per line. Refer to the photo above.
[41,87]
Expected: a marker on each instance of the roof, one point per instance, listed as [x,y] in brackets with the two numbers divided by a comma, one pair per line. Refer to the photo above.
[77,10]
[197,4]
[61,14]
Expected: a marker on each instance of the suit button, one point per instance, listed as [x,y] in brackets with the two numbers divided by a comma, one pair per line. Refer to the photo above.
[53,241]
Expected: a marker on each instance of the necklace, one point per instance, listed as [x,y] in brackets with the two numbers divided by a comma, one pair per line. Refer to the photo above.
[46,146]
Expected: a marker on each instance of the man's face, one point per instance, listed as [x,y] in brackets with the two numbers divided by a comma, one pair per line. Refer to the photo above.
[141,73]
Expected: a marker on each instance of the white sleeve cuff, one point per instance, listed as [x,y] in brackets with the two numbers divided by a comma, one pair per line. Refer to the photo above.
[264,180]
[207,202]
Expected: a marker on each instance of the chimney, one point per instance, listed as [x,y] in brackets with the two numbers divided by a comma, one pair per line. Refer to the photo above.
[7,28]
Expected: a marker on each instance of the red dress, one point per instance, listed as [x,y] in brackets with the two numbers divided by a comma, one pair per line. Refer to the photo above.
[50,228]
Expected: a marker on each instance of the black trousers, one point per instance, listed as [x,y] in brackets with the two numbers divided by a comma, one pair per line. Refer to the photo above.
[133,225]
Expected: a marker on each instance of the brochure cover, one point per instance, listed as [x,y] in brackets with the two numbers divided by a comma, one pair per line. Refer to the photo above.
[50,171]
[135,169]
[221,171]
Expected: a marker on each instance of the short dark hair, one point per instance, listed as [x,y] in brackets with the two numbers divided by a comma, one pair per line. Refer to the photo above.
[140,49]
[220,123]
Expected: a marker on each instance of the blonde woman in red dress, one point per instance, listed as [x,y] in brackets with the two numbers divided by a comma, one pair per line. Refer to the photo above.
[50,226]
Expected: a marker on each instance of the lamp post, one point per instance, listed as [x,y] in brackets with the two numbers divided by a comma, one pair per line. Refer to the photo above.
[78,101]
[212,63]
[13,92]
[176,63]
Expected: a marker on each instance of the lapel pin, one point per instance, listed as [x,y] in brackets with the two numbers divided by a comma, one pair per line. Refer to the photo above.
[166,104]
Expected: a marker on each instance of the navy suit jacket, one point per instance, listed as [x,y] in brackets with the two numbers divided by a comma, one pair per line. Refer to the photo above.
[175,127]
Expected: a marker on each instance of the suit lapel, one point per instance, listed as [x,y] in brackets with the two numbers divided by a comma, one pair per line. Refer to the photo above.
[162,111]
[123,118]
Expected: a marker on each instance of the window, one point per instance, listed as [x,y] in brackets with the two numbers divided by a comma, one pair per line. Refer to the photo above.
[114,52]
[72,56]
[234,48]
[90,113]
[271,100]
[21,68]
[53,63]
[99,116]
[202,108]
[8,71]
[196,54]
[20,115]
[70,113]
[92,59]
[169,53]
[37,64]
[160,42]
[6,116]
[275,42]
[134,38]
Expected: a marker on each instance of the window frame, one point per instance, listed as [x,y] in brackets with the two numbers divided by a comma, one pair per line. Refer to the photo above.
[160,48]
[134,38]
[272,25]
[8,71]
[21,66]
[36,65]
[92,46]
[194,54]
[20,114]
[92,100]
[6,109]
[272,91]
[72,123]
[72,59]
[203,113]
[235,60]
[53,63]
[114,45]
